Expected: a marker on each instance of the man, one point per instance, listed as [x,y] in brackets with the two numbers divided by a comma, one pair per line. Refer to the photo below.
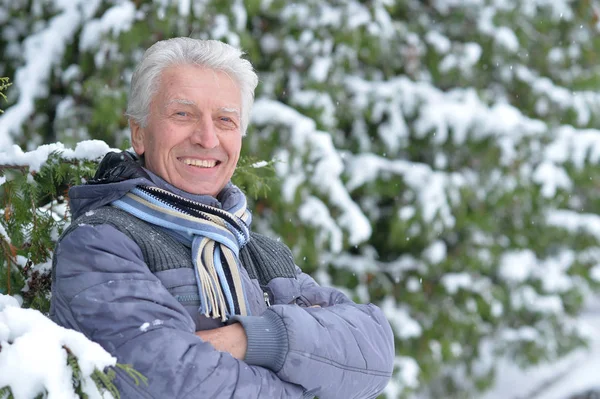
[159,266]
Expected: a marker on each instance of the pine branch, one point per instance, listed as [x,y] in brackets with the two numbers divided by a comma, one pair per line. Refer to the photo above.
[8,249]
[4,84]
[22,168]
[31,226]
[133,373]
[5,393]
[52,157]
[254,176]
[103,380]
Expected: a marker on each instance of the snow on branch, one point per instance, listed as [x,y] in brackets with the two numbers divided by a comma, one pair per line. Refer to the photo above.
[34,352]
[408,376]
[434,189]
[584,102]
[115,20]
[34,160]
[42,51]
[327,162]
[575,222]
[575,146]
[315,213]
[457,115]
[119,18]
[518,266]
[460,115]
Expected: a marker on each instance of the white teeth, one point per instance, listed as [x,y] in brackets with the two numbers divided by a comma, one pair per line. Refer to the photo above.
[203,163]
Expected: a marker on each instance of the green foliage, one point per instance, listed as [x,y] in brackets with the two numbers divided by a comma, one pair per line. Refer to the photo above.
[28,205]
[33,213]
[254,176]
[429,123]
[104,381]
[4,84]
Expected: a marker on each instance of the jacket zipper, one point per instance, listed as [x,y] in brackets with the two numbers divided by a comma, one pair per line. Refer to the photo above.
[267,300]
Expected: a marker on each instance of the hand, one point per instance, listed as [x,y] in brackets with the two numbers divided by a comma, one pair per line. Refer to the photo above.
[231,339]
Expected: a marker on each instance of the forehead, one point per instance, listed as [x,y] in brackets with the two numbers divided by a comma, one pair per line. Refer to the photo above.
[198,86]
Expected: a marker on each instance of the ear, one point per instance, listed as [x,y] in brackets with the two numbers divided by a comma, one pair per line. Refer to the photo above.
[137,137]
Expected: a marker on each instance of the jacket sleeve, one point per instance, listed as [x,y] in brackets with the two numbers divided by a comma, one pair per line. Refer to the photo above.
[103,288]
[340,350]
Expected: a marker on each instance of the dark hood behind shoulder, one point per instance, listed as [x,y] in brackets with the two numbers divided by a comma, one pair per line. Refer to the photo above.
[119,166]
[117,173]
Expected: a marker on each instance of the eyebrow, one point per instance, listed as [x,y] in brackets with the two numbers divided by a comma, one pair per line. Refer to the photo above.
[180,101]
[230,111]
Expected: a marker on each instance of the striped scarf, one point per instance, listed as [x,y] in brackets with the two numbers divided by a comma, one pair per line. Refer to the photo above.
[214,235]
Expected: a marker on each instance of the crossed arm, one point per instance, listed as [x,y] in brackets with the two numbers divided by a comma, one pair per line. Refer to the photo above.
[104,289]
[231,339]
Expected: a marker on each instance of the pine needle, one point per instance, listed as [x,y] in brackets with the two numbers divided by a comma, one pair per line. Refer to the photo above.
[4,84]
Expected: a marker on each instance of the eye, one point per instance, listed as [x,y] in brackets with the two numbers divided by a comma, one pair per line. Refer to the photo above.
[228,120]
[181,113]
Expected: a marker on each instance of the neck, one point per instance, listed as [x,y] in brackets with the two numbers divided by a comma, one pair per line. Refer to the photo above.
[204,199]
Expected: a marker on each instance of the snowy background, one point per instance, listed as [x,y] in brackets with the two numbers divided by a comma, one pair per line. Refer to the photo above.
[438,158]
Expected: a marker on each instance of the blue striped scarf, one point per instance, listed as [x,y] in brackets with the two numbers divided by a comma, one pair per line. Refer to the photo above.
[214,235]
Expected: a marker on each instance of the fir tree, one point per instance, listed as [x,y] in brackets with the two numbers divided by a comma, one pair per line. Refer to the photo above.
[33,214]
[29,227]
[435,158]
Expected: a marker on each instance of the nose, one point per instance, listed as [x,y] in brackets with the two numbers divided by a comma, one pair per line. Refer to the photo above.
[205,134]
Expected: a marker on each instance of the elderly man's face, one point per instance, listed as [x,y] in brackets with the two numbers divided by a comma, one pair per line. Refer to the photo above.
[193,137]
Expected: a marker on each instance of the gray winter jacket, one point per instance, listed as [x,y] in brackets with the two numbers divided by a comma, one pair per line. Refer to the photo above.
[147,316]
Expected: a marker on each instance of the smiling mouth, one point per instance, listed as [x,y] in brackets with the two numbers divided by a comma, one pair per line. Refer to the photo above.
[201,163]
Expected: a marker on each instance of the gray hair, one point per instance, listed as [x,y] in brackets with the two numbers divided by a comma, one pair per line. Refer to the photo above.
[211,54]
